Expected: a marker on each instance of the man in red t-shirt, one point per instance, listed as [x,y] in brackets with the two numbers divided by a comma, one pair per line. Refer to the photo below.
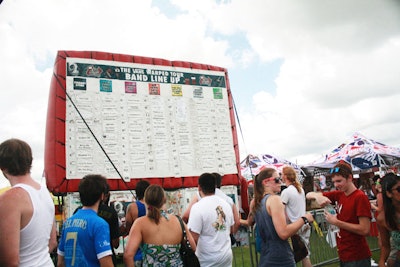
[353,216]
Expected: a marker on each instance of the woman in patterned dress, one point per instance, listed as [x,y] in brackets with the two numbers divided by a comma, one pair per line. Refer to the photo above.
[158,234]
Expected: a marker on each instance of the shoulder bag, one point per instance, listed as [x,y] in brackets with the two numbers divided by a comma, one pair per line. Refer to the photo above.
[188,256]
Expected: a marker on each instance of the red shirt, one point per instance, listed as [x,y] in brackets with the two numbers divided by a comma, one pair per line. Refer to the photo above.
[351,247]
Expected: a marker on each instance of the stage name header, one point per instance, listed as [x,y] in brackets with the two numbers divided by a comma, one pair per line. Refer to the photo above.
[144,74]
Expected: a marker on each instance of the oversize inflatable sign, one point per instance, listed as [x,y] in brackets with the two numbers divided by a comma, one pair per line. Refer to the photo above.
[129,117]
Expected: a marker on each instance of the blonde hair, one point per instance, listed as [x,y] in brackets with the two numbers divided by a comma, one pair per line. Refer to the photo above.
[291,175]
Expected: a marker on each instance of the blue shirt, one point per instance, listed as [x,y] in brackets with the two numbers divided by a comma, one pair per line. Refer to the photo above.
[85,239]
[141,212]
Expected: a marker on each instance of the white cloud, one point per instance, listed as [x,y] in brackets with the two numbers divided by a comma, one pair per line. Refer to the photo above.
[30,40]
[339,73]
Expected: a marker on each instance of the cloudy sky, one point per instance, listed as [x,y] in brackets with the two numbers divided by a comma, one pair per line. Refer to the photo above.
[305,75]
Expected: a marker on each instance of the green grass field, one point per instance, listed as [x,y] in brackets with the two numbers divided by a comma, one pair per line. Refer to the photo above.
[321,253]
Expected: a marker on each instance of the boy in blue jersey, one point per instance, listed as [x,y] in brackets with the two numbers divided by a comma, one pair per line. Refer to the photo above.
[85,238]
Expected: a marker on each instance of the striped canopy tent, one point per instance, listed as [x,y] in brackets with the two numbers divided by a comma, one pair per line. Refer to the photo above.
[254,163]
[363,153]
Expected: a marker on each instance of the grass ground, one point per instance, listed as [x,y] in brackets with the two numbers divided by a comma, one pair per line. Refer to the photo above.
[242,258]
[321,254]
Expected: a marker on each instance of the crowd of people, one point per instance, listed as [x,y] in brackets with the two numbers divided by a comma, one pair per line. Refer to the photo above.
[90,235]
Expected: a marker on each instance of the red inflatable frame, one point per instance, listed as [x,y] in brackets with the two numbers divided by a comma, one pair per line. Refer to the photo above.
[55,158]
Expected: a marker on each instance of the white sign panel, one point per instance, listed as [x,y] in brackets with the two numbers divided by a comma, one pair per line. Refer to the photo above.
[152,121]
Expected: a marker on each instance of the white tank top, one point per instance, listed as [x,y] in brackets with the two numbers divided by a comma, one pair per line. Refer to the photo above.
[34,237]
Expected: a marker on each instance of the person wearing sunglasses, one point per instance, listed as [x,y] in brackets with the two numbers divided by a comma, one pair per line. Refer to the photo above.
[294,199]
[389,221]
[353,216]
[269,215]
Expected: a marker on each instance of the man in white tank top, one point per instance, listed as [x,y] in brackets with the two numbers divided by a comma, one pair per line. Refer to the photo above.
[27,225]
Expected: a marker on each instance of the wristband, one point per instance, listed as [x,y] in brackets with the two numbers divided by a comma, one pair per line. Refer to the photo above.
[305,220]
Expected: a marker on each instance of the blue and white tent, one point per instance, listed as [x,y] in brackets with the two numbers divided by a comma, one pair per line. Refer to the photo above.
[253,164]
[363,154]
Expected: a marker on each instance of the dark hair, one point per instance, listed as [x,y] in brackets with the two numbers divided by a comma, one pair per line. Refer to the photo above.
[258,187]
[207,183]
[107,195]
[218,179]
[15,157]
[154,196]
[107,189]
[387,182]
[376,178]
[141,187]
[91,187]
[342,168]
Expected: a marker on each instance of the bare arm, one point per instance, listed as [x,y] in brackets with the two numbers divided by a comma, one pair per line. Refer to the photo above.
[321,200]
[53,238]
[190,237]
[185,216]
[250,218]
[10,225]
[131,216]
[134,241]
[236,219]
[276,209]
[374,207]
[249,221]
[195,236]
[384,236]
[106,261]
[60,261]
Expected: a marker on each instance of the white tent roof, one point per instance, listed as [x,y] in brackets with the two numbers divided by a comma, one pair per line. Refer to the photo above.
[362,153]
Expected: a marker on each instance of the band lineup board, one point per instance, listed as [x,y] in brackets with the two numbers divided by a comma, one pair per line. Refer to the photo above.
[129,118]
